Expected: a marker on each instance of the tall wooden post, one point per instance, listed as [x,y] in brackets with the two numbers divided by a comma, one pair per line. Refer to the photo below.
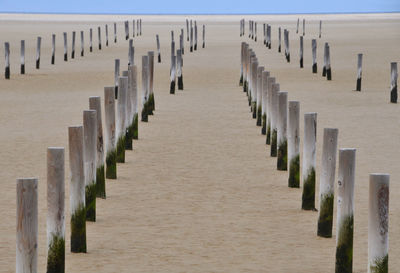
[53,48]
[314,55]
[22,57]
[320,28]
[270,83]
[274,119]
[158,48]
[91,40]
[82,44]
[294,144]
[145,89]
[65,47]
[99,36]
[115,33]
[116,76]
[121,120]
[173,75]
[265,76]
[282,131]
[393,82]
[106,34]
[359,71]
[7,62]
[301,51]
[126,30]
[308,170]
[109,113]
[73,45]
[279,39]
[131,53]
[134,98]
[179,69]
[38,46]
[297,28]
[260,70]
[325,54]
[328,64]
[152,104]
[204,36]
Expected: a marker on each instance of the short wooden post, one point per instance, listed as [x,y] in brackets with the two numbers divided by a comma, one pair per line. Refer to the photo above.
[77,189]
[121,120]
[95,104]
[173,75]
[53,48]
[274,119]
[320,28]
[260,70]
[264,85]
[109,114]
[378,223]
[279,39]
[65,47]
[297,28]
[393,82]
[7,56]
[158,48]
[345,211]
[145,90]
[282,161]
[38,46]
[22,57]
[106,34]
[204,36]
[325,54]
[328,64]
[126,30]
[131,53]
[91,40]
[304,26]
[270,83]
[27,225]
[314,55]
[115,33]
[90,144]
[359,71]
[55,210]
[187,30]
[134,101]
[294,144]
[152,104]
[301,51]
[116,76]
[179,69]
[308,170]
[326,182]
[99,36]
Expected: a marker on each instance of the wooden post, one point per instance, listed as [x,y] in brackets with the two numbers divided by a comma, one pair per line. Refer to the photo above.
[260,70]
[241,63]
[314,55]
[116,76]
[133,28]
[172,49]
[287,46]
[279,39]
[99,36]
[301,51]
[22,57]
[308,170]
[393,82]
[152,104]
[90,144]
[77,189]
[7,56]
[270,83]
[245,59]
[73,45]
[106,34]
[173,75]
[325,54]
[128,120]
[182,41]
[115,33]
[282,131]
[195,35]
[264,85]
[345,211]
[326,182]
[320,28]
[91,40]
[158,48]
[134,100]
[294,144]
[55,210]
[82,44]
[95,104]
[255,31]
[269,36]
[38,45]
[328,64]
[204,36]
[254,88]
[145,90]
[378,223]
[191,36]
[27,225]
[274,119]
[126,30]
[359,71]
[179,69]
[121,119]
[304,26]
[131,53]
[187,30]
[109,113]
[297,28]
[140,27]
[53,48]
[65,47]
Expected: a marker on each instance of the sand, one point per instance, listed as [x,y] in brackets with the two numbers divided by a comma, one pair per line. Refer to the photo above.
[199,192]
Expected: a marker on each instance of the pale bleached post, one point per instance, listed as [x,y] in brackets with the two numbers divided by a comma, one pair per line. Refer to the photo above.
[90,144]
[91,40]
[191,36]
[128,121]
[393,82]
[359,71]
[126,30]
[152,104]
[314,55]
[95,104]
[55,210]
[133,28]
[378,223]
[131,53]
[245,60]
[7,61]
[53,48]
[38,46]
[264,91]
[173,75]
[77,189]
[254,88]
[274,119]
[109,114]
[145,90]
[134,101]
[304,26]
[22,56]
[255,31]
[328,64]
[345,211]
[282,131]
[27,225]
[179,69]
[106,34]
[301,51]
[297,28]
[73,45]
[99,36]
[320,28]
[204,36]
[327,182]
[279,39]
[294,144]
[325,54]
[308,169]
[260,70]
[158,48]
[187,30]
[270,83]
[121,118]
[115,33]
[116,76]
[65,47]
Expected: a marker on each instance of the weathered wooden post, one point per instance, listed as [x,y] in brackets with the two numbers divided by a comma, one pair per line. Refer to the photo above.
[27,225]
[274,119]
[152,105]
[260,70]
[158,48]
[95,104]
[121,120]
[345,211]
[314,55]
[53,48]
[359,71]
[378,223]
[308,170]
[255,31]
[301,51]
[55,210]
[294,144]
[245,59]
[115,33]
[287,46]
[90,143]
[297,28]
[82,44]
[326,182]
[304,26]
[325,54]
[328,64]
[181,43]
[393,82]
[91,40]
[241,63]
[106,34]
[173,75]
[133,28]
[134,101]
[279,39]
[116,76]
[22,56]
[131,53]
[128,121]
[269,36]
[145,88]
[270,83]
[126,30]
[179,69]
[7,56]
[249,28]
[99,36]
[191,36]
[264,87]
[187,30]
[320,28]
[77,189]
[73,45]
[254,89]
[38,45]
[282,131]
[204,36]
[65,47]
[140,27]
[109,113]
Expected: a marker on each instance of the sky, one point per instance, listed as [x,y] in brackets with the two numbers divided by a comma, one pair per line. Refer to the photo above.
[198,6]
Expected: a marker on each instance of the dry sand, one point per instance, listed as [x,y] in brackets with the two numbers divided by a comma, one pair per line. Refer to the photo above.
[200,193]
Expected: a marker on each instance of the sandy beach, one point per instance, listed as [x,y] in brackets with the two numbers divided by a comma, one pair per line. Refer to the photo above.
[199,192]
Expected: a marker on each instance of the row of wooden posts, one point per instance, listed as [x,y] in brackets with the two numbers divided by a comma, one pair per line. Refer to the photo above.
[73,42]
[326,70]
[280,122]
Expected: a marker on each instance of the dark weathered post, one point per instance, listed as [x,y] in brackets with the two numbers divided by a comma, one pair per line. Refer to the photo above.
[106,34]
[7,56]
[204,36]
[297,28]
[116,76]
[255,31]
[82,44]
[126,30]
[133,28]
[99,36]
[38,45]
[393,82]
[158,48]
[314,55]
[195,35]
[282,131]
[22,56]
[115,33]
[191,36]
[359,71]
[270,83]
[73,45]
[65,47]
[269,36]
[152,105]
[320,28]
[264,91]
[279,39]
[173,75]
[179,69]
[308,170]
[301,51]
[131,53]
[91,40]
[328,64]
[325,54]
[53,48]
[304,26]
[260,70]
[294,144]
[187,30]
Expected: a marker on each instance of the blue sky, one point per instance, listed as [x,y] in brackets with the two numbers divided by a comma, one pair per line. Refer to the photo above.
[198,6]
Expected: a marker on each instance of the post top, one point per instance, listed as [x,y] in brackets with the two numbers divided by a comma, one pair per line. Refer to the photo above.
[55,148]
